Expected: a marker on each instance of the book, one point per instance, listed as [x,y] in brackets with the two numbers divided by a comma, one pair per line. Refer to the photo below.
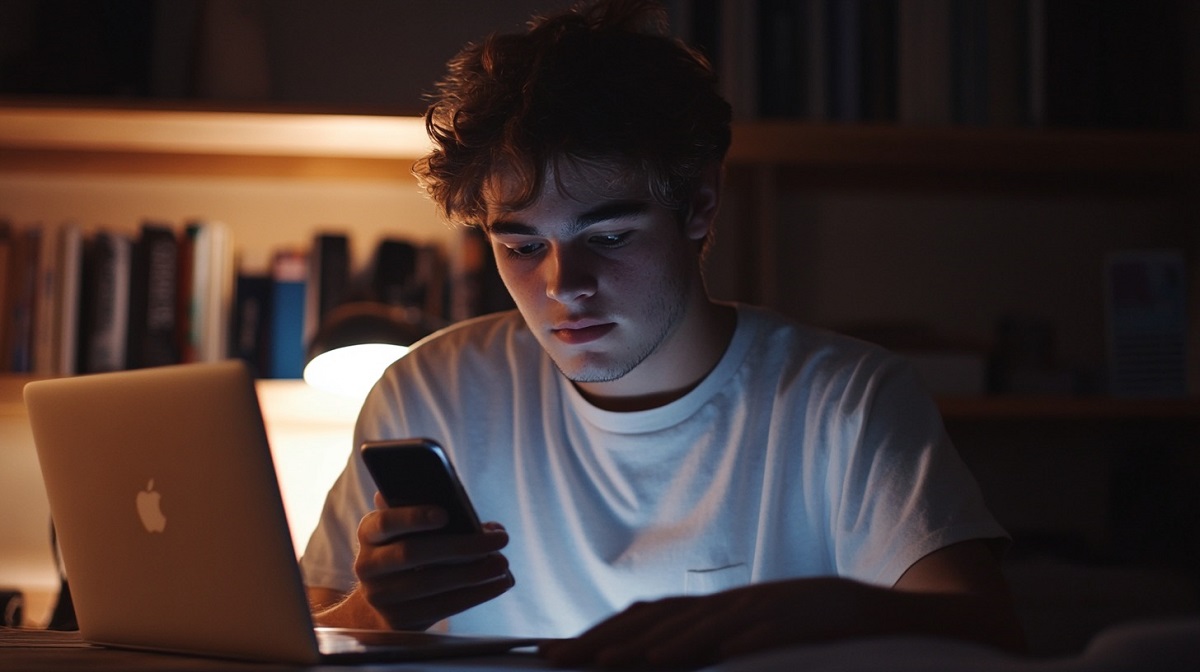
[879,62]
[104,327]
[1147,315]
[816,60]
[738,63]
[432,279]
[1009,46]
[251,336]
[6,261]
[185,254]
[969,65]
[475,283]
[793,59]
[22,304]
[393,272]
[47,296]
[328,279]
[779,61]
[844,35]
[152,298]
[68,301]
[206,294]
[289,274]
[924,58]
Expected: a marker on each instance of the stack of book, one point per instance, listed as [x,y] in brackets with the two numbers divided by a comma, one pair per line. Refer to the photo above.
[975,62]
[90,302]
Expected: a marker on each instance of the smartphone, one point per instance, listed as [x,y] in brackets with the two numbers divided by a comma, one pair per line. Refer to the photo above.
[413,472]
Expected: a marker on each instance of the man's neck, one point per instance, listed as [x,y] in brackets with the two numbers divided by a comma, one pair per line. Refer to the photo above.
[701,341]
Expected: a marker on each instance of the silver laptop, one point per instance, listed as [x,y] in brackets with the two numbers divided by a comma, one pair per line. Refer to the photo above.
[172,528]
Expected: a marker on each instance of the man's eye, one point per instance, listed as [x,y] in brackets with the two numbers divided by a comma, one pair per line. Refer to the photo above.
[525,250]
[610,239]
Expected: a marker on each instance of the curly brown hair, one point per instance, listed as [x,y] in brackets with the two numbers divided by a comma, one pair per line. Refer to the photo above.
[603,82]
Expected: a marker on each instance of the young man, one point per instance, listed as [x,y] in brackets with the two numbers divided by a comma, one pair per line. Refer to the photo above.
[679,479]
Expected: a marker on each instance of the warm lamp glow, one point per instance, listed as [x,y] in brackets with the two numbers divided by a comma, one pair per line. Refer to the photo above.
[355,344]
[351,371]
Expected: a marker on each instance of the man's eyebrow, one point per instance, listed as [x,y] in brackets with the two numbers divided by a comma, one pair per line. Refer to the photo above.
[606,211]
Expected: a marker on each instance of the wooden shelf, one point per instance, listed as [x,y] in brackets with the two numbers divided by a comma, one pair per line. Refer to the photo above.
[212,143]
[204,132]
[303,144]
[1069,408]
[965,148]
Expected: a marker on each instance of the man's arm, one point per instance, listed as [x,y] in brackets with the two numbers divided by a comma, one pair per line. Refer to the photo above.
[957,592]
[980,607]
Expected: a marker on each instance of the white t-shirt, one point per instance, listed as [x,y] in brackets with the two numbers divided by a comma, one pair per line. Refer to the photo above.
[803,453]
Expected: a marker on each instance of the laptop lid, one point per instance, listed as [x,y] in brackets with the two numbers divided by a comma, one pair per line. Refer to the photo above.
[172,528]
[168,512]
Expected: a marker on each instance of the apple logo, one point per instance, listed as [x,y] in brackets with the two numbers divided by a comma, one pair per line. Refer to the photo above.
[148,509]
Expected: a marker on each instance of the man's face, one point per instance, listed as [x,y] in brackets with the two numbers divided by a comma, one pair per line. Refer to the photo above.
[603,275]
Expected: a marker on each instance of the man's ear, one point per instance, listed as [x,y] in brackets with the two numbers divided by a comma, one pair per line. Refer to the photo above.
[705,202]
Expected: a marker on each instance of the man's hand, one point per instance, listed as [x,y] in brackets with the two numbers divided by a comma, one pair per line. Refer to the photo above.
[956,592]
[694,631]
[408,580]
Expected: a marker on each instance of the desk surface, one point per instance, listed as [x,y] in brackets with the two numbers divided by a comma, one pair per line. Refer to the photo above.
[1167,646]
[64,651]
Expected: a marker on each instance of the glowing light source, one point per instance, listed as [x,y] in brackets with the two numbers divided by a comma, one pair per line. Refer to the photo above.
[356,342]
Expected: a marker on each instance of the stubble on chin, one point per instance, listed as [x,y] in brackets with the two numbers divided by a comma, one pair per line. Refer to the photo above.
[620,366]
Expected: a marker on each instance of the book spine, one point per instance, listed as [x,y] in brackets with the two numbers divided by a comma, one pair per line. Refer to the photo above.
[969,48]
[251,335]
[207,275]
[394,272]
[924,62]
[879,62]
[7,256]
[106,326]
[70,287]
[23,283]
[328,279]
[1008,63]
[289,273]
[780,61]
[153,296]
[844,23]
[48,295]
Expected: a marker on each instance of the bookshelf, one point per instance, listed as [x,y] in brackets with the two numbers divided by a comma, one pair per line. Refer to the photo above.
[767,160]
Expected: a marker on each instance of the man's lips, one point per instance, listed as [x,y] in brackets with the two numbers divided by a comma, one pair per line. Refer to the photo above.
[581,331]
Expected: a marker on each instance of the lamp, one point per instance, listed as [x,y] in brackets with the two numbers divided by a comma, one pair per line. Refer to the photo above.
[356,342]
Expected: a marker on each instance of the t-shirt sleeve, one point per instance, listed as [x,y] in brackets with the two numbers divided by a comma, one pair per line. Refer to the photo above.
[904,491]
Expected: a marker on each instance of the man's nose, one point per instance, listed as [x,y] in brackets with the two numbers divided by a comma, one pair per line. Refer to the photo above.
[569,276]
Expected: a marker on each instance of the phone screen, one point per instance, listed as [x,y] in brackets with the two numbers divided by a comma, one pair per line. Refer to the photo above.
[412,472]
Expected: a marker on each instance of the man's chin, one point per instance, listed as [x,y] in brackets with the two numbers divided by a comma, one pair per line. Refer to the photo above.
[591,371]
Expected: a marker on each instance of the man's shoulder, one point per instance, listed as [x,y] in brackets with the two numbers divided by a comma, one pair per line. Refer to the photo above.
[813,362]
[482,333]
[781,336]
[499,343]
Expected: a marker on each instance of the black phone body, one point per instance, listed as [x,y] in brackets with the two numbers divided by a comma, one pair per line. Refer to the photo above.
[416,472]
